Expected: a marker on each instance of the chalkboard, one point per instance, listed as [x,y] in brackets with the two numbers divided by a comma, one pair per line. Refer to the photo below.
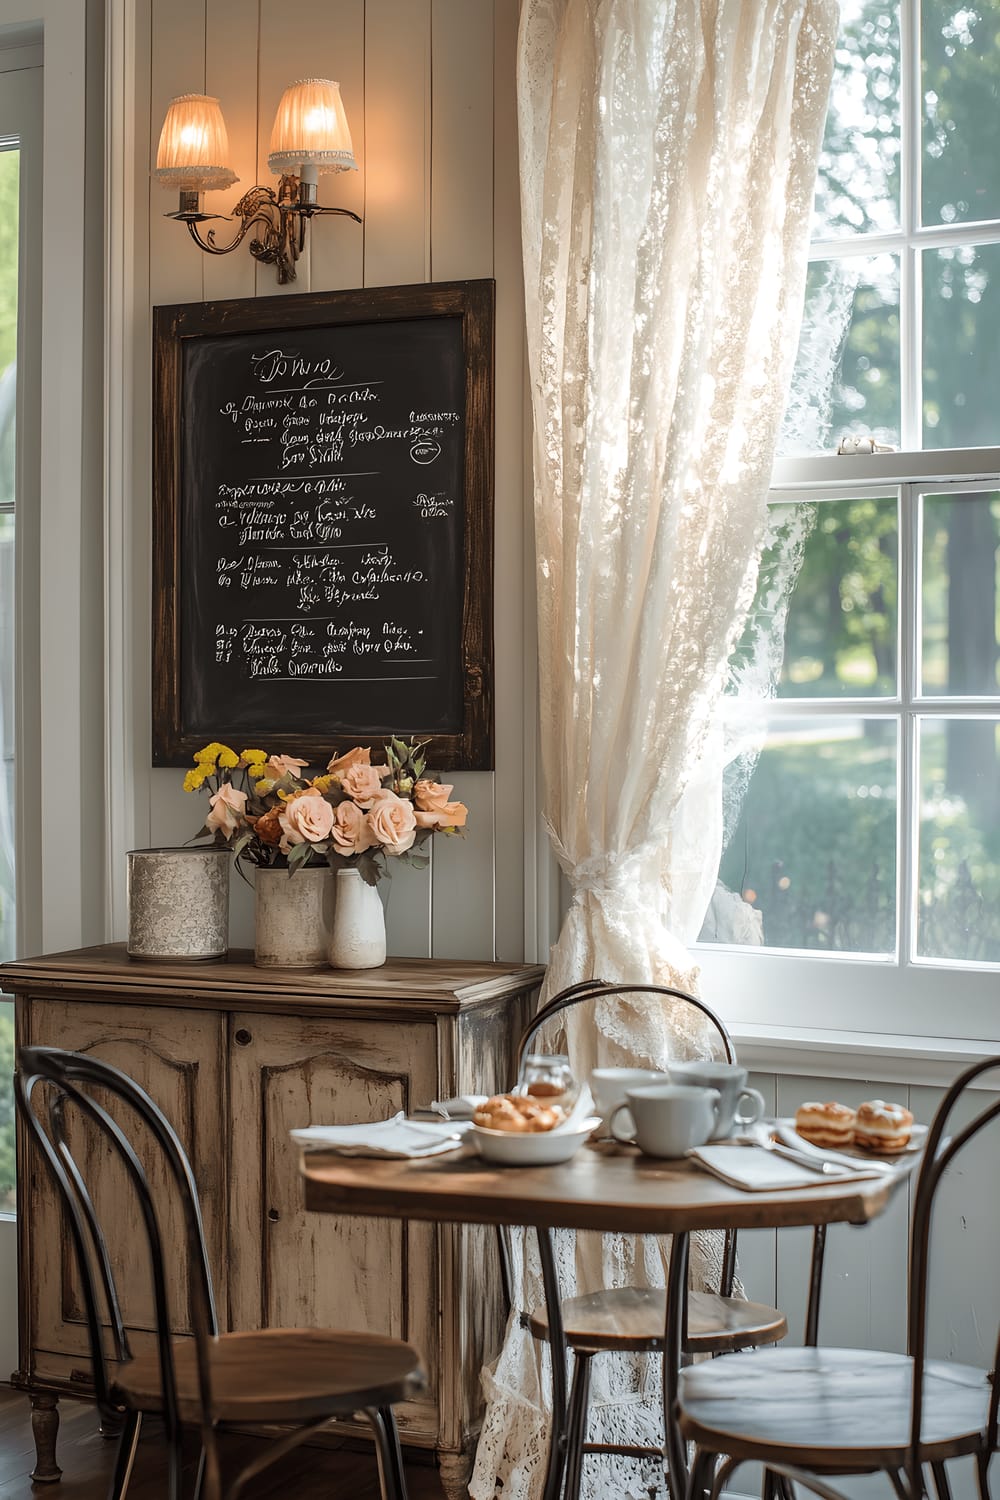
[323,516]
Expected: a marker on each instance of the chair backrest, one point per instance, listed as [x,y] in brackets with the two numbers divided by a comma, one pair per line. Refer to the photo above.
[599,989]
[939,1153]
[51,1086]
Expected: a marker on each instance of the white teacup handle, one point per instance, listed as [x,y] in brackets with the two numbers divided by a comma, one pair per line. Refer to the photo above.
[625,1140]
[758,1107]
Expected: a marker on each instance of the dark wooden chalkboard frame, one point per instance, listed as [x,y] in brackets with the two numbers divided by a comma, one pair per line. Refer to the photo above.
[474,303]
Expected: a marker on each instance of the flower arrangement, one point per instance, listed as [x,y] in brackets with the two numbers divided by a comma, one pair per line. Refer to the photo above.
[270,812]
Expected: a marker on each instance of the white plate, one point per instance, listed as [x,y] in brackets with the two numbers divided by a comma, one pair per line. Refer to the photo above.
[543,1148]
[918,1135]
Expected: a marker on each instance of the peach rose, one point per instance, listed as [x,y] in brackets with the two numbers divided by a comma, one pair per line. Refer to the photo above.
[268,826]
[363,783]
[305,819]
[350,832]
[228,810]
[356,757]
[433,808]
[392,822]
[285,765]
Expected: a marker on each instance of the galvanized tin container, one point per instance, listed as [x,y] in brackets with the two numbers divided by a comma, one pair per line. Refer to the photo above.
[178,903]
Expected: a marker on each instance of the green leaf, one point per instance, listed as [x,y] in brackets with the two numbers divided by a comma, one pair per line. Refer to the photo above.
[367,867]
[298,854]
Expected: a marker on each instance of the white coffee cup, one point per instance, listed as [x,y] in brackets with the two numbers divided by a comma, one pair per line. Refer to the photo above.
[669,1118]
[609,1085]
[731,1081]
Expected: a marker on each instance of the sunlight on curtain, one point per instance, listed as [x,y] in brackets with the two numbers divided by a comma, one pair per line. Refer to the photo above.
[668,161]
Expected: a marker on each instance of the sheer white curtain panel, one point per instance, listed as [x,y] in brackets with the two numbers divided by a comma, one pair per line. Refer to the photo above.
[668,153]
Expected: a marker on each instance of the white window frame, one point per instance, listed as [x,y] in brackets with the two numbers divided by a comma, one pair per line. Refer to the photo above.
[861,994]
[933,1004]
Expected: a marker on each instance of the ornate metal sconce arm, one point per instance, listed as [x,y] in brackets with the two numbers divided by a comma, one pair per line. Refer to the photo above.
[280,242]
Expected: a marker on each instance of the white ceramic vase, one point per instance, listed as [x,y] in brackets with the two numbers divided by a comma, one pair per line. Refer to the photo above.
[293,913]
[358,937]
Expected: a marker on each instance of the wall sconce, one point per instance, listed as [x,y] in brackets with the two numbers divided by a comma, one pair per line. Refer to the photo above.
[310,135]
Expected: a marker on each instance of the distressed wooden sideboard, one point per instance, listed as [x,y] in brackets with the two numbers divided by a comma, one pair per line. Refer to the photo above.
[237,1056]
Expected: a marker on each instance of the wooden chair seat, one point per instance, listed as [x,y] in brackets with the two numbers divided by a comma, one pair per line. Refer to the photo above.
[632,1319]
[281,1374]
[831,1410]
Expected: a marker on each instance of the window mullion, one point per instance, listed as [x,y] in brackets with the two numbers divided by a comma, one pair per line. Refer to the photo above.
[909,207]
[907,686]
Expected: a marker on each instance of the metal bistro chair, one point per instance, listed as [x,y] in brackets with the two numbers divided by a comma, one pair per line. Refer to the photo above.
[809,1412]
[627,1320]
[299,1376]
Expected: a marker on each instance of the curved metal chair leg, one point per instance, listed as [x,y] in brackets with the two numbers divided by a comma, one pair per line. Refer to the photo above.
[941,1486]
[199,1478]
[557,1348]
[899,1484]
[128,1443]
[576,1435]
[392,1481]
[700,1477]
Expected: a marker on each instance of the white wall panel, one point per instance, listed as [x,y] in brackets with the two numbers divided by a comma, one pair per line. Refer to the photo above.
[964,1298]
[463,870]
[461,140]
[397,142]
[337,50]
[231,75]
[176,268]
[435,136]
[285,54]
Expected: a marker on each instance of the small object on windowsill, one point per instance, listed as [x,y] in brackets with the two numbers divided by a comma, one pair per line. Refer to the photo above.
[853,442]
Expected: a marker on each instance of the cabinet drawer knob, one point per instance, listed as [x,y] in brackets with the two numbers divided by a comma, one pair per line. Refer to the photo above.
[244,1037]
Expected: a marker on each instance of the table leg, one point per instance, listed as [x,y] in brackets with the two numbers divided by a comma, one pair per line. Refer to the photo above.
[815,1285]
[557,1348]
[673,1344]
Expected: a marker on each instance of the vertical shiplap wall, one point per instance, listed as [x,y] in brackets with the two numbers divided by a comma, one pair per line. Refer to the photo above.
[429,90]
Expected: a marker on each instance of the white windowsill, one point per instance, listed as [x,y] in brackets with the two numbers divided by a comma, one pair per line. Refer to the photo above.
[860,1055]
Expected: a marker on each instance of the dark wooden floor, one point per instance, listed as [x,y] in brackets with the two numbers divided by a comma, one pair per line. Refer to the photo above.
[86,1460]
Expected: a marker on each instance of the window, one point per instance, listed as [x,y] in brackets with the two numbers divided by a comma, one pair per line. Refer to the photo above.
[869,830]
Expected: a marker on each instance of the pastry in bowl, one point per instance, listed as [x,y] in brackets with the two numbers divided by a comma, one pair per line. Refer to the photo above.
[518,1114]
[882,1128]
[830,1125]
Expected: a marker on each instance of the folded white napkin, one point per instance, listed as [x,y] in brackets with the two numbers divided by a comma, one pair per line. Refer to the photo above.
[398,1137]
[757,1171]
[461,1107]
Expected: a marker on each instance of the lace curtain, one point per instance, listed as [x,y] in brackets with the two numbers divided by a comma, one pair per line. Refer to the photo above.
[668,156]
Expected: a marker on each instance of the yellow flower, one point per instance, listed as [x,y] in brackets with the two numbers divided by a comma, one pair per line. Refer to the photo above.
[228,758]
[253,757]
[196,778]
[323,783]
[263,787]
[209,755]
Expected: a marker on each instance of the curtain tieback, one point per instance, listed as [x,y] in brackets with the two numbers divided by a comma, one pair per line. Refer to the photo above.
[613,875]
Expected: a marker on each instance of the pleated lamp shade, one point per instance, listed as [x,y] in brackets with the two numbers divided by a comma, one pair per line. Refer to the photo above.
[193,153]
[311,130]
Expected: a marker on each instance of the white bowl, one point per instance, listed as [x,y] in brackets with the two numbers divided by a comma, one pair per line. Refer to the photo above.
[542,1148]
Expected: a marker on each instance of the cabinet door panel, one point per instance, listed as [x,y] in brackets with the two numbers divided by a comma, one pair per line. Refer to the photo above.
[290,1268]
[178,1057]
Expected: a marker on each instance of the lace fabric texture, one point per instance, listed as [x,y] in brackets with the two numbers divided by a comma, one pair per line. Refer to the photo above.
[668,154]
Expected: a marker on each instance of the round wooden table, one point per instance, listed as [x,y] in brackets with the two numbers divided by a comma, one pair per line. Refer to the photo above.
[605,1187]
